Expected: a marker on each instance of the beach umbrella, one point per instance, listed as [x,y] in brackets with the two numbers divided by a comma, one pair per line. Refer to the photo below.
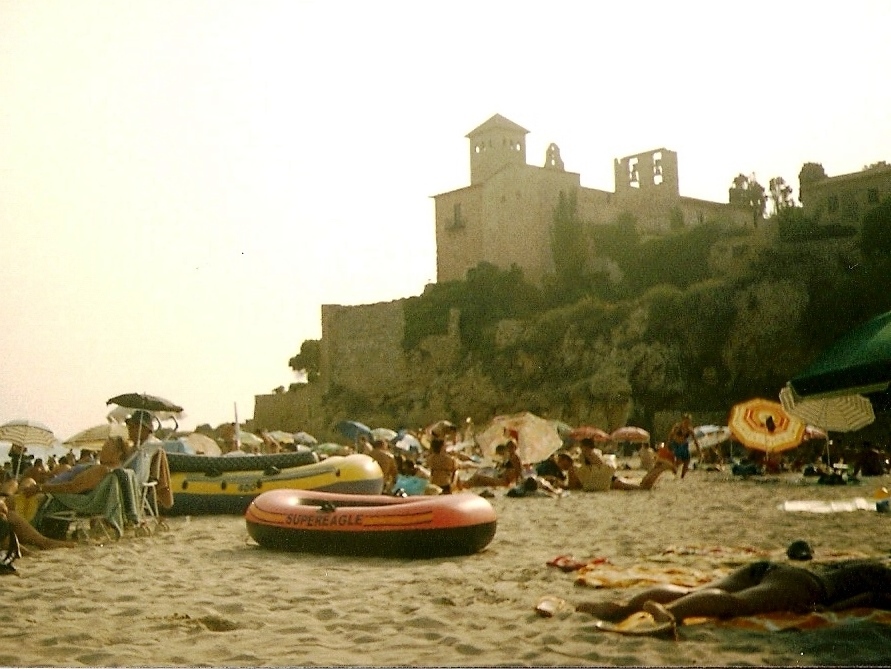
[631,435]
[330,448]
[589,432]
[161,408]
[840,413]
[145,402]
[563,429]
[282,437]
[305,439]
[352,429]
[536,437]
[763,425]
[708,436]
[461,446]
[857,364]
[249,439]
[201,443]
[22,432]
[408,442]
[812,432]
[441,428]
[177,446]
[93,438]
[120,414]
[383,434]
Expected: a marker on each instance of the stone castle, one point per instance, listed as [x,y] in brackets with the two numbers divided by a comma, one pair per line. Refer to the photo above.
[504,217]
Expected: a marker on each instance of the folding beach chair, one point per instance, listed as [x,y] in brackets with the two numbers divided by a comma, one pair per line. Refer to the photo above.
[102,509]
[144,487]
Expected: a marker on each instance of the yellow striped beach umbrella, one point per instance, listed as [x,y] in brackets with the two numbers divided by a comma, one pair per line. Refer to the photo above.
[764,425]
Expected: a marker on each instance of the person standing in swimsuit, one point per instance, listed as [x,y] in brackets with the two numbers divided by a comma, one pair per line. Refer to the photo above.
[443,467]
[679,438]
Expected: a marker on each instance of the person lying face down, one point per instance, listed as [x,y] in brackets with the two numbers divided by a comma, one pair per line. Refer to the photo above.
[763,587]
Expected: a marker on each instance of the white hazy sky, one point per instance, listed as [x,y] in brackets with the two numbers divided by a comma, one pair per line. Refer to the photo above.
[184,183]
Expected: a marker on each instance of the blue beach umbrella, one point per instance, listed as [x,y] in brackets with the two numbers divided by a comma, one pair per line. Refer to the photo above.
[352,429]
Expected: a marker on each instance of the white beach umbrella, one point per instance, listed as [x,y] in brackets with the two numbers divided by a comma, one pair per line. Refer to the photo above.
[305,438]
[93,438]
[383,434]
[23,432]
[536,437]
[201,443]
[708,436]
[844,413]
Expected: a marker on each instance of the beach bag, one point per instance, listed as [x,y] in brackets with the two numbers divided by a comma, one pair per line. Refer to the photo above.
[13,549]
[54,528]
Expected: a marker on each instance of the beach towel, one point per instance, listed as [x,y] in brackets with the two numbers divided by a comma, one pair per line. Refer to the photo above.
[160,472]
[643,624]
[605,575]
[104,500]
[833,506]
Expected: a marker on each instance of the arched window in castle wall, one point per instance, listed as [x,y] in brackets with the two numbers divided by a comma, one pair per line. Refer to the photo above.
[657,168]
[633,173]
[553,159]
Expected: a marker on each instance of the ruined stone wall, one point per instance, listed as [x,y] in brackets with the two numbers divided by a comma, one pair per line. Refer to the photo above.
[299,409]
[362,347]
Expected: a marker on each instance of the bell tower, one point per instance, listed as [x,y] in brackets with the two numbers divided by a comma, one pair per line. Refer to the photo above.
[494,144]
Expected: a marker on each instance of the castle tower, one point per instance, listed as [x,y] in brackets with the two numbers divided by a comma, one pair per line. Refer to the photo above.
[494,144]
[652,172]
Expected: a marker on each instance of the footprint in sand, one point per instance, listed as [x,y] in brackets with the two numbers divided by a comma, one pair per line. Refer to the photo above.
[218,624]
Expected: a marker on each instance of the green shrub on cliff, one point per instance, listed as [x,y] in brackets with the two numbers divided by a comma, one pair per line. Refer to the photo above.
[488,295]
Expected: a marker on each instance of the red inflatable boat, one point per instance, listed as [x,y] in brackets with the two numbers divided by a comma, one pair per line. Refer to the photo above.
[373,525]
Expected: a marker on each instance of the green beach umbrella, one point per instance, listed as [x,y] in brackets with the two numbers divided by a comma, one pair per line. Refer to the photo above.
[858,363]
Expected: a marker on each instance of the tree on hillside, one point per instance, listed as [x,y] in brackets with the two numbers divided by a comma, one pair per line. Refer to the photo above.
[761,350]
[489,295]
[308,361]
[569,244]
[875,230]
[780,195]
[617,240]
[678,259]
[747,193]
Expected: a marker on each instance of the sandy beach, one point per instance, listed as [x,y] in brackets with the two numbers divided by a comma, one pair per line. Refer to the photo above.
[203,594]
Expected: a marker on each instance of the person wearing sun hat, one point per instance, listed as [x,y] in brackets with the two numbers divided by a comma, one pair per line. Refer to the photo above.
[141,427]
[154,466]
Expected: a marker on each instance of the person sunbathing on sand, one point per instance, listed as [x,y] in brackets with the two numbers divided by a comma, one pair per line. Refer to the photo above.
[506,474]
[25,532]
[110,457]
[762,587]
[594,474]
